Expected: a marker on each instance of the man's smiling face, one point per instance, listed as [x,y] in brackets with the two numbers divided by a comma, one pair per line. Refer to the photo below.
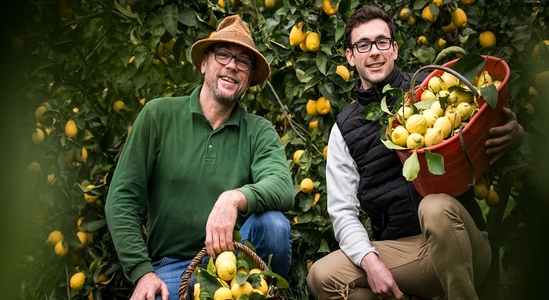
[375,65]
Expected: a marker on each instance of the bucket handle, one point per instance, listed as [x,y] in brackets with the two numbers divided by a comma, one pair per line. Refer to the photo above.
[475,94]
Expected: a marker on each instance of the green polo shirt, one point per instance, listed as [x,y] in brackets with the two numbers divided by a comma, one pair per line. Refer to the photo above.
[172,170]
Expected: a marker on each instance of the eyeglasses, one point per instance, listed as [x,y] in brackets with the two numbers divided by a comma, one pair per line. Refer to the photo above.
[364,46]
[224,57]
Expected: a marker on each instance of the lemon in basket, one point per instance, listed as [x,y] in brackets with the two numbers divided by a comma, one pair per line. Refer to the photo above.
[223,293]
[400,135]
[415,141]
[416,124]
[241,289]
[226,269]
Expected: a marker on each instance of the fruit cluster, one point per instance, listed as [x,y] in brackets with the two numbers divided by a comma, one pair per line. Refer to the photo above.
[233,278]
[452,104]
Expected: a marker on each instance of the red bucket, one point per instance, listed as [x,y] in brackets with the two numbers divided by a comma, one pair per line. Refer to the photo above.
[461,172]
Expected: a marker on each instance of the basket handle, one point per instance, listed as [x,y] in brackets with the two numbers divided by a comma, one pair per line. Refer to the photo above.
[443,68]
[475,94]
[200,256]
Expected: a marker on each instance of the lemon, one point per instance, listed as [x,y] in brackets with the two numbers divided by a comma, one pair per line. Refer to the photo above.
[447,80]
[79,224]
[492,199]
[306,185]
[467,2]
[405,13]
[212,34]
[226,269]
[487,39]
[323,106]
[438,2]
[343,72]
[465,110]
[427,15]
[459,96]
[481,191]
[328,8]
[222,3]
[70,129]
[118,105]
[435,106]
[77,281]
[34,168]
[453,115]
[400,135]
[542,78]
[412,20]
[64,9]
[38,136]
[535,51]
[315,200]
[303,45]
[484,79]
[433,136]
[444,124]
[313,124]
[82,158]
[296,34]
[83,237]
[225,255]
[55,237]
[90,198]
[297,155]
[415,141]
[459,18]
[223,293]
[421,40]
[264,288]
[325,152]
[529,108]
[416,124]
[270,3]
[427,95]
[449,28]
[169,45]
[241,289]
[441,43]
[430,116]
[312,41]
[38,113]
[196,293]
[403,113]
[61,249]
[102,278]
[311,108]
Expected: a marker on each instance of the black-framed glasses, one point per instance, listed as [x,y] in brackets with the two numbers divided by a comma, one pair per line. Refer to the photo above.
[364,46]
[224,57]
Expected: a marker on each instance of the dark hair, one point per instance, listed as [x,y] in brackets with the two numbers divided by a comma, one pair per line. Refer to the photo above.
[365,14]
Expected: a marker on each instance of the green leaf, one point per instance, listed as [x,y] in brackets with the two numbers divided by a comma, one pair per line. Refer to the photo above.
[469,65]
[411,167]
[435,162]
[208,281]
[170,18]
[126,12]
[321,62]
[372,111]
[187,17]
[389,144]
[490,95]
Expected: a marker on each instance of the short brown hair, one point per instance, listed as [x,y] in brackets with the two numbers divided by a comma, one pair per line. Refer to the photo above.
[365,14]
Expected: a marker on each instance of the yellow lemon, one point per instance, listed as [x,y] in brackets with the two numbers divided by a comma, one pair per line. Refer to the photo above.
[449,28]
[541,79]
[421,40]
[441,43]
[403,113]
[400,135]
[467,2]
[315,200]
[487,39]
[79,224]
[435,106]
[405,13]
[196,294]
[433,136]
[325,152]
[328,8]
[453,115]
[311,108]
[415,141]
[34,168]
[430,116]
[529,108]
[484,79]
[89,197]
[444,124]
[323,105]
[427,95]
[83,157]
[70,129]
[225,255]
[416,124]
[313,124]
[38,136]
[296,34]
[312,41]
[297,155]
[427,15]
[458,96]
[465,110]
[438,2]
[459,18]
[303,45]
[169,45]
[102,278]
[118,105]
[223,293]
[61,249]
[38,113]
[343,72]
[222,3]
[264,288]
[83,237]
[448,80]
[411,20]
[55,237]
[535,51]
[306,185]
[212,34]
[241,289]
[434,84]
[226,270]
[481,191]
[77,281]
[492,199]
[270,3]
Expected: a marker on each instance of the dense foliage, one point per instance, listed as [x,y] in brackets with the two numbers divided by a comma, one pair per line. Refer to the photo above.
[96,62]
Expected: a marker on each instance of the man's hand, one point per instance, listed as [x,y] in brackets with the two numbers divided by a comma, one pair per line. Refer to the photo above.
[505,138]
[221,222]
[380,279]
[148,286]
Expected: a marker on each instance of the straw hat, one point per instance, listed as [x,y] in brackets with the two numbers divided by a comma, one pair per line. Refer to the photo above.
[233,30]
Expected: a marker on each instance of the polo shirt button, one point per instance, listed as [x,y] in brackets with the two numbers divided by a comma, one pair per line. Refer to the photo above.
[210,146]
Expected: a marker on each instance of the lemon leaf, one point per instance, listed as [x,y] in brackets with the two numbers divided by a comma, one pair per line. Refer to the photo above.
[389,144]
[469,65]
[411,167]
[435,162]
[208,282]
[490,95]
[372,111]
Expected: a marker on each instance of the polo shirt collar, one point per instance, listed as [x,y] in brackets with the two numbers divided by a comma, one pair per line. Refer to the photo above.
[236,114]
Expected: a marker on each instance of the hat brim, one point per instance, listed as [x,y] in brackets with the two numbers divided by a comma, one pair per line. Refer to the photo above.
[260,69]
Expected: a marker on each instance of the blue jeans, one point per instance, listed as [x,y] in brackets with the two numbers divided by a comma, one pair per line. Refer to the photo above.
[269,232]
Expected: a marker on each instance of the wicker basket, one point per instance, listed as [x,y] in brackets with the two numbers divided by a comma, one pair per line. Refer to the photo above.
[184,286]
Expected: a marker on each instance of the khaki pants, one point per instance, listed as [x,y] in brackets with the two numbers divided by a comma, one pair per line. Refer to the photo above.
[450,257]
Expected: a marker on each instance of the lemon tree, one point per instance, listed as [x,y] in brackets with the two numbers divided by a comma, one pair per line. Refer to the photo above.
[80,71]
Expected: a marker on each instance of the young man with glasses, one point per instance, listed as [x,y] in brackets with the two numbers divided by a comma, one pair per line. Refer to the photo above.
[195,168]
[423,246]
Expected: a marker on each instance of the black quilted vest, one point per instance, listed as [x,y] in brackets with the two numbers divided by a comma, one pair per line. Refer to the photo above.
[390,201]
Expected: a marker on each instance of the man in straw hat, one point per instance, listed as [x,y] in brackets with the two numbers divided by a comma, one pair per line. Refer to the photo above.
[197,167]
